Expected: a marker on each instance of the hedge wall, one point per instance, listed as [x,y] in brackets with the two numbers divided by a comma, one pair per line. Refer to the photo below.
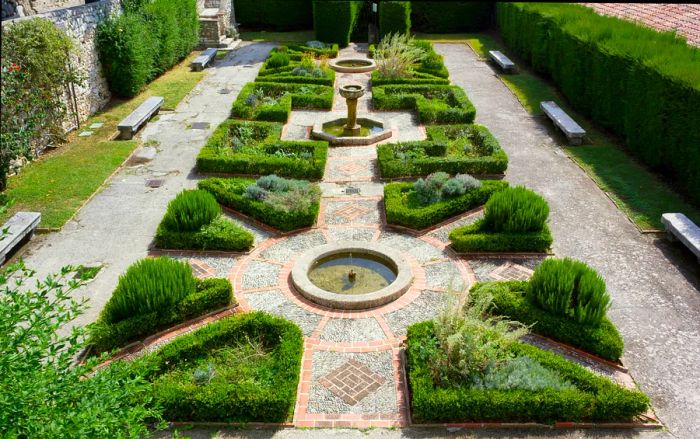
[334,21]
[451,16]
[641,84]
[475,238]
[394,17]
[277,14]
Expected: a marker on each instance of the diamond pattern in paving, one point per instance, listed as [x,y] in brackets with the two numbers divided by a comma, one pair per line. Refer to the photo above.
[352,382]
[511,271]
[485,268]
[352,212]
[350,170]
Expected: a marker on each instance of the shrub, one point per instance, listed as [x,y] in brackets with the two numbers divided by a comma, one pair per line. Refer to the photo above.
[277,59]
[515,210]
[262,390]
[205,296]
[521,373]
[475,238]
[642,84]
[191,210]
[149,285]
[570,288]
[275,14]
[396,54]
[300,210]
[394,17]
[595,398]
[273,102]
[434,103]
[334,21]
[403,207]
[450,16]
[509,299]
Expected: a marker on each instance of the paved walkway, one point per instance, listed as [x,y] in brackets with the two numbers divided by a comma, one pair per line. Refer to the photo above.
[655,305]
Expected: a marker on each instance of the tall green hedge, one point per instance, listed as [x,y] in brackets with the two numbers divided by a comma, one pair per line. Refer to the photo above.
[277,14]
[450,16]
[144,42]
[641,84]
[334,21]
[394,17]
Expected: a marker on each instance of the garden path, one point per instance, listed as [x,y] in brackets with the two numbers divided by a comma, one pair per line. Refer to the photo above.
[656,303]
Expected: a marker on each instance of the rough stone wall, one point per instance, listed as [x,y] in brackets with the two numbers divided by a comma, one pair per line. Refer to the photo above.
[80,23]
[33,7]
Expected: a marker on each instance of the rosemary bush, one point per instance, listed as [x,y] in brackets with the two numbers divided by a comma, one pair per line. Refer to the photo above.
[190,210]
[515,209]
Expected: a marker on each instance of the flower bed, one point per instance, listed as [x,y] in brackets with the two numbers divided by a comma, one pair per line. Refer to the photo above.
[403,207]
[433,103]
[274,101]
[587,397]
[153,295]
[243,368]
[299,209]
[454,149]
[295,68]
[254,148]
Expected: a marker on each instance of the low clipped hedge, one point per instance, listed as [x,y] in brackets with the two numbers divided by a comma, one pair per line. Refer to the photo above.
[285,75]
[299,49]
[596,398]
[433,103]
[420,158]
[230,192]
[299,96]
[418,78]
[209,295]
[334,21]
[509,300]
[394,17]
[402,207]
[475,238]
[432,63]
[266,400]
[442,17]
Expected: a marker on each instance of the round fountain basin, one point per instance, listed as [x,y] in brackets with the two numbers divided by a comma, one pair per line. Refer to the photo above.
[351,91]
[322,275]
[353,65]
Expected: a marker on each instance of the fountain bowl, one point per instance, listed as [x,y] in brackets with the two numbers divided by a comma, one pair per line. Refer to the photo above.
[371,131]
[352,91]
[389,257]
[353,65]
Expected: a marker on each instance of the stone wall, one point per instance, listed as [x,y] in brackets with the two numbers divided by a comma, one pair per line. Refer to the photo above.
[80,23]
[33,7]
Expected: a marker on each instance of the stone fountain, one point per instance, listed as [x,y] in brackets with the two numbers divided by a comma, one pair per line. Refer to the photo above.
[351,130]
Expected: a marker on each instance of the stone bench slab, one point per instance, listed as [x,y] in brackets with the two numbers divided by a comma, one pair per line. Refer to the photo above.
[131,124]
[203,59]
[502,60]
[574,132]
[21,225]
[681,228]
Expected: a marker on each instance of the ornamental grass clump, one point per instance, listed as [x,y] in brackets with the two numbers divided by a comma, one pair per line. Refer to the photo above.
[396,54]
[191,210]
[515,210]
[149,285]
[278,59]
[571,289]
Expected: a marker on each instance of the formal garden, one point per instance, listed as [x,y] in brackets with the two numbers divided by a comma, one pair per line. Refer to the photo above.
[372,225]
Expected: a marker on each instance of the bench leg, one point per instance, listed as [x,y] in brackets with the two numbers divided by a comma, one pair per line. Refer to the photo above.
[671,237]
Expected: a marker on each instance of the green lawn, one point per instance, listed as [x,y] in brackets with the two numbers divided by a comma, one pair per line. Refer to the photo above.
[639,193]
[296,36]
[59,182]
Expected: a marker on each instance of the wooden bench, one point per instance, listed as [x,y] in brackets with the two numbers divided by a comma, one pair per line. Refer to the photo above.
[680,228]
[131,124]
[573,131]
[203,59]
[499,58]
[15,230]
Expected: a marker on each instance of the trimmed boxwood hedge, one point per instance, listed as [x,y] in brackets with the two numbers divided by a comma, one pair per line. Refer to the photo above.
[274,14]
[442,17]
[300,49]
[210,294]
[394,17]
[334,21]
[596,398]
[435,154]
[509,300]
[230,192]
[419,78]
[284,75]
[268,400]
[642,84]
[403,208]
[433,103]
[299,96]
[474,238]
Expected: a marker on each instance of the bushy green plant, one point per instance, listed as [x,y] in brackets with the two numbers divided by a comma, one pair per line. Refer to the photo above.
[149,285]
[335,21]
[439,185]
[570,288]
[190,210]
[515,210]
[394,17]
[396,54]
[277,59]
[521,373]
[434,103]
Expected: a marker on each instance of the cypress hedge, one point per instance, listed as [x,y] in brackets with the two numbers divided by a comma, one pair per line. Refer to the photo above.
[334,21]
[394,17]
[277,14]
[450,16]
[641,84]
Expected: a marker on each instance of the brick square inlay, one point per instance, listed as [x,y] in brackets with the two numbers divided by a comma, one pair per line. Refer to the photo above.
[351,211]
[352,382]
[510,271]
[350,169]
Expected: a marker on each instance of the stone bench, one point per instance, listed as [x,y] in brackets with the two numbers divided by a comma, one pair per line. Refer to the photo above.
[680,228]
[573,131]
[499,58]
[19,227]
[131,123]
[203,59]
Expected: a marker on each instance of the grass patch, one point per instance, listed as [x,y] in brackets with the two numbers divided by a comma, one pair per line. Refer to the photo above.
[296,36]
[59,182]
[638,192]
